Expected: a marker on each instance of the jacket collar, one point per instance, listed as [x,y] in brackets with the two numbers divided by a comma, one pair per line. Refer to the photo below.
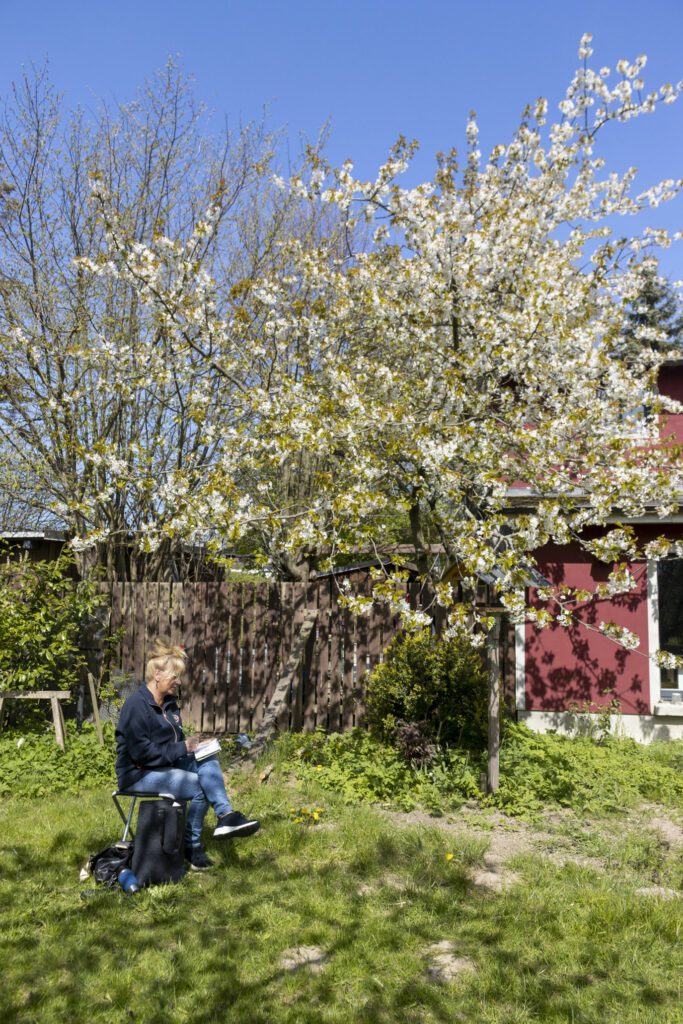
[147,696]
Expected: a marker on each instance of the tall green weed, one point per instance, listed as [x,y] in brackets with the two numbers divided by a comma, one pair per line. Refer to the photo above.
[364,770]
[546,770]
[537,771]
[33,764]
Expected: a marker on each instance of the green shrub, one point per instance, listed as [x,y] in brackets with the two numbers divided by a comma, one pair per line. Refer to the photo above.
[42,612]
[362,769]
[438,684]
[33,765]
[537,772]
[546,770]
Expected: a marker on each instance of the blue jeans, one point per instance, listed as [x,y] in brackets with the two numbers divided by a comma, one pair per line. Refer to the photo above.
[200,782]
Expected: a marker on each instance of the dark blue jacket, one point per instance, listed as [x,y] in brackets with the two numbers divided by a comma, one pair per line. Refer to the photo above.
[147,736]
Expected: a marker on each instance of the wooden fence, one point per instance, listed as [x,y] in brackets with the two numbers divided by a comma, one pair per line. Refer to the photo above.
[238,638]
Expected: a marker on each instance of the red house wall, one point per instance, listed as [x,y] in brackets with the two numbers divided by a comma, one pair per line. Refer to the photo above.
[573,666]
[671,384]
[576,665]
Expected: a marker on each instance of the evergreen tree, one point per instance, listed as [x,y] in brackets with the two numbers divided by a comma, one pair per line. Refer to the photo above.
[656,316]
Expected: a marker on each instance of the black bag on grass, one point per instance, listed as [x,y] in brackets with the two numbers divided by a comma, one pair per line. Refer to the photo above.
[158,850]
[106,865]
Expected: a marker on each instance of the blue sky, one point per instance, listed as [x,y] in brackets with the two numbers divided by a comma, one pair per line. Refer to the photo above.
[374,69]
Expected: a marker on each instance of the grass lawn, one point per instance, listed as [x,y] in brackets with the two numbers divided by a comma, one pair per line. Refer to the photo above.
[381,912]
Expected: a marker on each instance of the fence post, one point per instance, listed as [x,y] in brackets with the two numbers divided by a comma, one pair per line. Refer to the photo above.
[493,662]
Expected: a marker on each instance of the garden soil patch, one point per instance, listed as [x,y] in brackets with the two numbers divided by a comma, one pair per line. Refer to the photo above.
[304,956]
[445,964]
[510,837]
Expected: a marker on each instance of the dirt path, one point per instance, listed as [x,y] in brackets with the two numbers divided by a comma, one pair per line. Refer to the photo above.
[507,837]
[560,837]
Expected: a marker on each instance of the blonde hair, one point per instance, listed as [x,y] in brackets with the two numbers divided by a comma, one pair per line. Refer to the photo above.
[163,657]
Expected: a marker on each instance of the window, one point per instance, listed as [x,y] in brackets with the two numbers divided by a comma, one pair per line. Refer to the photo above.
[670,594]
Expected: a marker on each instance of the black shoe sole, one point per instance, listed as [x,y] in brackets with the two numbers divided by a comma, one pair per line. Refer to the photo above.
[236,831]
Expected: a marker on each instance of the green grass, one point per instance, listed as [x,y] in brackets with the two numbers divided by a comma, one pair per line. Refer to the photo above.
[563,944]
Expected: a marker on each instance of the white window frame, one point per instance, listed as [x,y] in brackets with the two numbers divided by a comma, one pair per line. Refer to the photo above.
[658,693]
[653,632]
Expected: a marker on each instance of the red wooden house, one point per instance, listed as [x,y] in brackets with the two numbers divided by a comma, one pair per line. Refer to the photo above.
[561,672]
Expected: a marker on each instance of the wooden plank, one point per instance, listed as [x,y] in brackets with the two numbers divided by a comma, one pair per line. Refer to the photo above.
[287,600]
[247,679]
[493,659]
[299,680]
[393,627]
[37,694]
[127,663]
[273,640]
[95,707]
[210,612]
[347,655]
[152,631]
[260,652]
[335,670]
[164,612]
[139,639]
[309,703]
[118,657]
[191,692]
[221,638]
[362,655]
[58,721]
[116,621]
[273,714]
[176,615]
[234,657]
[376,619]
[200,666]
[328,689]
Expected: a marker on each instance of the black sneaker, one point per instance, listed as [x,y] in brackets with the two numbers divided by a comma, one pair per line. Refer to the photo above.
[197,858]
[234,825]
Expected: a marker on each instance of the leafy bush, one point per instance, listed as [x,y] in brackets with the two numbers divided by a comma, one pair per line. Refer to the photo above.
[537,772]
[439,684]
[33,765]
[362,769]
[42,610]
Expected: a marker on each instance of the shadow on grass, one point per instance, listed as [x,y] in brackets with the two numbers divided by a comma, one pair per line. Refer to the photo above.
[562,946]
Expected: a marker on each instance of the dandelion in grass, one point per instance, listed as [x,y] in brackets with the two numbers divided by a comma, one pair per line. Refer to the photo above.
[305,815]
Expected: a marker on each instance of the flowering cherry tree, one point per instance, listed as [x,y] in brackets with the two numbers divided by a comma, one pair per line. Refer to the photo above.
[472,351]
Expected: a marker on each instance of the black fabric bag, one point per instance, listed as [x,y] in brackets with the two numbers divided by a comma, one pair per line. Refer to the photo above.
[158,851]
[106,865]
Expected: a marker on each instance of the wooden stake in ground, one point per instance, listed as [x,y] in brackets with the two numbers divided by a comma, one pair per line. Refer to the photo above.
[493,662]
[95,708]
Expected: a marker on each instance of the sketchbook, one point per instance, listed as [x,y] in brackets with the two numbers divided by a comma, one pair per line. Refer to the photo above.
[206,749]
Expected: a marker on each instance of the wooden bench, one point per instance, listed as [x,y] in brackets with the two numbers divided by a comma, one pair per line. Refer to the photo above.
[54,696]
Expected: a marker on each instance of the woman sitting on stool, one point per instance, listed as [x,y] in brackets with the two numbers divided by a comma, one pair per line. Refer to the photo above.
[152,754]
